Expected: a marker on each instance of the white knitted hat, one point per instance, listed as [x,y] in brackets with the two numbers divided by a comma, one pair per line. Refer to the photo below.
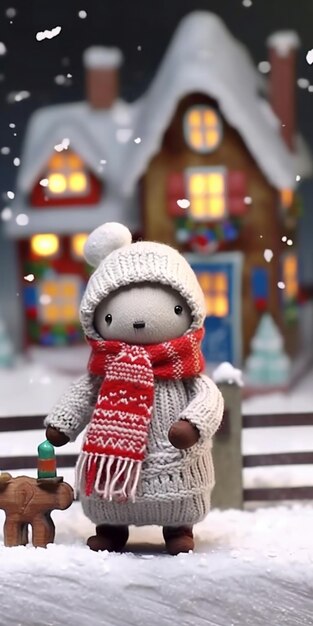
[119,263]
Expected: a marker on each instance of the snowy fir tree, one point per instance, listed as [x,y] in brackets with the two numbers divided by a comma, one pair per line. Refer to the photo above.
[268,364]
[6,347]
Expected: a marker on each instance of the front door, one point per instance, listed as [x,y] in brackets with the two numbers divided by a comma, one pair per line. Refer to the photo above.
[220,278]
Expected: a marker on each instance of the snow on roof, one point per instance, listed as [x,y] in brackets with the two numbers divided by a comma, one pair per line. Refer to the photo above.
[283,41]
[202,57]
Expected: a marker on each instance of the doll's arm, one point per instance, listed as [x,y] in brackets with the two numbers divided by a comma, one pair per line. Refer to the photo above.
[205,407]
[73,411]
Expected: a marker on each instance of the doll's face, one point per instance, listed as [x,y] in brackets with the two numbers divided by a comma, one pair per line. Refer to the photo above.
[142,314]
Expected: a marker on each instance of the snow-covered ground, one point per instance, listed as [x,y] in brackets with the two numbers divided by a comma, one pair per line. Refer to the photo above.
[249,569]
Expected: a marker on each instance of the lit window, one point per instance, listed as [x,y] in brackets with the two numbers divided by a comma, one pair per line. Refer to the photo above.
[59,300]
[206,193]
[202,128]
[77,245]
[215,289]
[286,197]
[66,176]
[290,276]
[45,245]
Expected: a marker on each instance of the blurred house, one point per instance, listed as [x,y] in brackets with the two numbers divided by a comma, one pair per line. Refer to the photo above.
[202,161]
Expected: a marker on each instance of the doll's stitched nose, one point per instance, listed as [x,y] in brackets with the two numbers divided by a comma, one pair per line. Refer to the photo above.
[139,324]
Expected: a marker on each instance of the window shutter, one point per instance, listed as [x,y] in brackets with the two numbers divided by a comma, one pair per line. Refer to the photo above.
[237,191]
[175,191]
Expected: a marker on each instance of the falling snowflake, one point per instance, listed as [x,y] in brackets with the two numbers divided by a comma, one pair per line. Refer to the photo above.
[298,178]
[247,200]
[5,150]
[281,285]
[137,140]
[3,48]
[303,83]
[63,145]
[268,255]
[12,125]
[22,219]
[264,67]
[289,242]
[6,214]
[82,14]
[309,57]
[29,278]
[247,3]
[44,182]
[48,34]
[17,96]
[284,238]
[183,203]
[16,161]
[11,194]
[139,48]
[10,13]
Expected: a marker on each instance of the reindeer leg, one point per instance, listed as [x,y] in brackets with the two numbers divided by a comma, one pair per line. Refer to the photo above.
[43,530]
[13,532]
[25,537]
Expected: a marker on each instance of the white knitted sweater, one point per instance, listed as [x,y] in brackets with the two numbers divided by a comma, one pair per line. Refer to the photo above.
[175,485]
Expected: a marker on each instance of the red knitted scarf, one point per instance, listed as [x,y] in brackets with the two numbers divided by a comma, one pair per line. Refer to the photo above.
[116,438]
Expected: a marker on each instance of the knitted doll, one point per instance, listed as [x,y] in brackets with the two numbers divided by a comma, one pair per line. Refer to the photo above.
[150,412]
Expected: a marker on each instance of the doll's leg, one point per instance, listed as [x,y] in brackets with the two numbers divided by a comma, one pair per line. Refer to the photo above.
[178,539]
[111,538]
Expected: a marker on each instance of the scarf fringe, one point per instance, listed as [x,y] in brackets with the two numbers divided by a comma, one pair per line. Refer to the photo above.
[94,472]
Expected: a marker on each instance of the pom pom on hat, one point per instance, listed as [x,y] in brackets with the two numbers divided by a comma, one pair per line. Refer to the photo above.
[103,240]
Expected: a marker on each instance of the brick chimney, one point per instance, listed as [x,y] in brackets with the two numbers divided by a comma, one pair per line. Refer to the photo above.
[102,76]
[282,87]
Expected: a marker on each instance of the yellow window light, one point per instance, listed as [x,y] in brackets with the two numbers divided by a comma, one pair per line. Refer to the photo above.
[209,301]
[69,313]
[68,289]
[205,281]
[220,306]
[197,184]
[51,288]
[44,245]
[77,243]
[194,117]
[286,196]
[216,207]
[57,162]
[74,162]
[57,183]
[220,282]
[197,207]
[210,118]
[211,138]
[77,182]
[215,183]
[196,139]
[50,314]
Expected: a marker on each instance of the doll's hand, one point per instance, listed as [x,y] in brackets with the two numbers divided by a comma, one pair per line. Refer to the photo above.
[56,437]
[183,435]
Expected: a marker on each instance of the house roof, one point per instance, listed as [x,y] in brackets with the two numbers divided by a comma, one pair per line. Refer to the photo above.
[204,57]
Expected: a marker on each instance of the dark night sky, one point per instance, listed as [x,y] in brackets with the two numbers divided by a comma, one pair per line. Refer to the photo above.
[31,65]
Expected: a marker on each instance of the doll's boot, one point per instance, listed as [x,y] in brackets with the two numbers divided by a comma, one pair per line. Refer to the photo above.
[111,538]
[178,539]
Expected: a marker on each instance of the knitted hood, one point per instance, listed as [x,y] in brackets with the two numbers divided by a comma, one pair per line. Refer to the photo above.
[120,263]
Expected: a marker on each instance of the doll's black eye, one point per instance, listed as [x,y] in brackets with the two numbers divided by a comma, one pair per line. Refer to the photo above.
[108,319]
[178,309]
